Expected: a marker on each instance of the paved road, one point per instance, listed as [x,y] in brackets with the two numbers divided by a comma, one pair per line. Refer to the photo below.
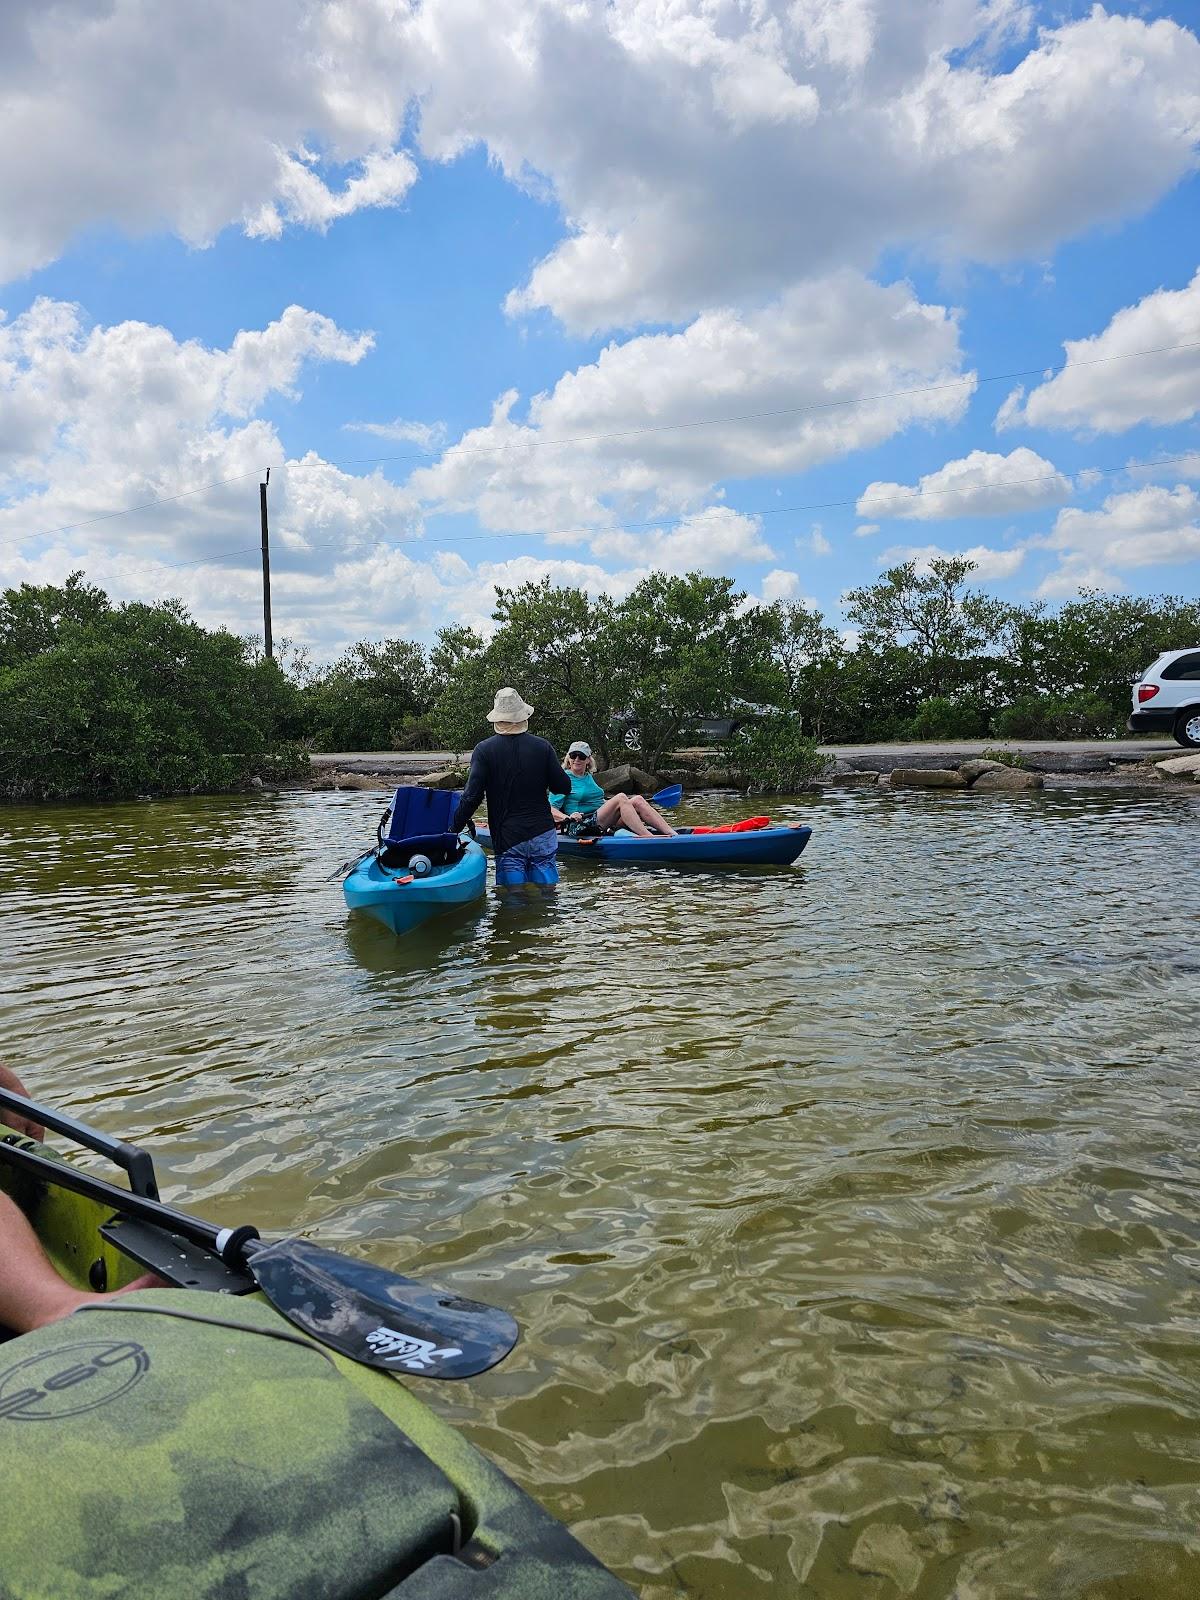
[869,756]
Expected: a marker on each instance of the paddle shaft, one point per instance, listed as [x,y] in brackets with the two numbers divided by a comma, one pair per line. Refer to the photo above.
[369,1314]
[65,1176]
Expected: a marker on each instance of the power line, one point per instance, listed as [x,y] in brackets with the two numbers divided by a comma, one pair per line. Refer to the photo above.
[781,411]
[777,511]
[972,380]
[709,512]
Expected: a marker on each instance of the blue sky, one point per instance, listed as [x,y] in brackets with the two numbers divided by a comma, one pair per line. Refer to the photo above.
[581,290]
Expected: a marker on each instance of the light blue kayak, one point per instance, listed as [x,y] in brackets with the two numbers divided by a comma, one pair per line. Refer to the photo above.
[418,868]
[401,900]
[764,847]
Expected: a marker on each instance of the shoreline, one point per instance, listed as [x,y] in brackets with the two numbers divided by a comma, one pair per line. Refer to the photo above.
[1087,763]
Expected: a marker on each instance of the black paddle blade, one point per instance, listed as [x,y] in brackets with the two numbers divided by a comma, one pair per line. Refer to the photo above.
[378,1317]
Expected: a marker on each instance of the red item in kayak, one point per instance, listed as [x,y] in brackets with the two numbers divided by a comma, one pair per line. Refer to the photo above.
[749,825]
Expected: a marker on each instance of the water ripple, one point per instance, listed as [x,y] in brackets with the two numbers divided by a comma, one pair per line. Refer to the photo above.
[852,1212]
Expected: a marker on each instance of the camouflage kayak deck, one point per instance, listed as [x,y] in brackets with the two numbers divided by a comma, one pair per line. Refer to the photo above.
[192,1444]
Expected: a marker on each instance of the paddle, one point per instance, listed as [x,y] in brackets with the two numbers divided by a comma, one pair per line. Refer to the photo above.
[669,797]
[374,1316]
[347,867]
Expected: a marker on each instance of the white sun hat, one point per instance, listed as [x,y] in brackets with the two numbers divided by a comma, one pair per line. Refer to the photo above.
[509,707]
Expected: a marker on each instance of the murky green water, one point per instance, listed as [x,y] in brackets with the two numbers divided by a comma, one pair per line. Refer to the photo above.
[851,1211]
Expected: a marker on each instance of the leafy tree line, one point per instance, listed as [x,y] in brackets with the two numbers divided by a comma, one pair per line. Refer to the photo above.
[103,699]
[927,657]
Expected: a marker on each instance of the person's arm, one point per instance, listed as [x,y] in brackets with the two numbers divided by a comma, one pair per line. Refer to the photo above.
[14,1119]
[472,794]
[558,782]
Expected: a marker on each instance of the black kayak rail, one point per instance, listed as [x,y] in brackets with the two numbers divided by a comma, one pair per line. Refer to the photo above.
[137,1164]
[372,1315]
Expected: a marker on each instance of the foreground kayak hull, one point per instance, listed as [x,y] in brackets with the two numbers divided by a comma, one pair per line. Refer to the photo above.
[218,1450]
[400,906]
[767,847]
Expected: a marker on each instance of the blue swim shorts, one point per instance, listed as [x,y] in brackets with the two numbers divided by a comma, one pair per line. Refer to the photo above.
[532,861]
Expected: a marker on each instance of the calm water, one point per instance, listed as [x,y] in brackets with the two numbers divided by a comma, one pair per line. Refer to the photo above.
[851,1210]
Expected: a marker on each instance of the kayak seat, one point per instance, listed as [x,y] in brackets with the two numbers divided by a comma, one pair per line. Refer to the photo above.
[185,1448]
[416,810]
[418,823]
[443,849]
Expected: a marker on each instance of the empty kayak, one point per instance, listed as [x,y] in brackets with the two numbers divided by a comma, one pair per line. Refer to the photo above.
[192,1442]
[418,868]
[401,898]
[777,847]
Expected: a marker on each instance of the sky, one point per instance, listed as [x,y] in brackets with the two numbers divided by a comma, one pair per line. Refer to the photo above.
[789,290]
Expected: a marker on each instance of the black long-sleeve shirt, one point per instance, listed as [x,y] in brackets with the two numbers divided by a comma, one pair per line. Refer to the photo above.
[515,771]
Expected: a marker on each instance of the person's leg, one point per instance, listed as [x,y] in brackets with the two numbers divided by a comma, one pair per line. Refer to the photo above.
[31,1291]
[652,818]
[510,869]
[609,814]
[631,818]
[620,812]
[542,859]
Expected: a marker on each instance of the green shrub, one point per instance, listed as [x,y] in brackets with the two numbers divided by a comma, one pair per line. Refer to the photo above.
[1046,716]
[1006,758]
[114,701]
[942,718]
[771,754]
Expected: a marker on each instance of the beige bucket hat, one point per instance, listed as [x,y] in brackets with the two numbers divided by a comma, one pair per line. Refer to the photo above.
[509,707]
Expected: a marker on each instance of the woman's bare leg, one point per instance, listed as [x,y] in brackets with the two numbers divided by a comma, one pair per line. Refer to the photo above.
[619,811]
[31,1291]
[654,820]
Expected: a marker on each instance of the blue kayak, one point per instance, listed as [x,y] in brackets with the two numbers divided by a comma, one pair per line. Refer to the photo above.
[400,899]
[777,847]
[418,867]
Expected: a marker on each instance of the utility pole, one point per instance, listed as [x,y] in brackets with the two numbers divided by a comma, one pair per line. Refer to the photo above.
[266,554]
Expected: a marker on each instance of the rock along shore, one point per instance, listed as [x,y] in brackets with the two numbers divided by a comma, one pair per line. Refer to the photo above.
[1028,765]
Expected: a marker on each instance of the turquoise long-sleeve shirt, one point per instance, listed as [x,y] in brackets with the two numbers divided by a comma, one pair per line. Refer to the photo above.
[585,794]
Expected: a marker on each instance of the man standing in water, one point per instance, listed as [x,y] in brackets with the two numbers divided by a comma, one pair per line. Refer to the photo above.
[516,771]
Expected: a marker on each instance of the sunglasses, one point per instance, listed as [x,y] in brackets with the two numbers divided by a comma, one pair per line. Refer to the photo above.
[576,755]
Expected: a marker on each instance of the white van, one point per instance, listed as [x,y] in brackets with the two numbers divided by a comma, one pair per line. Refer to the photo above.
[1166,698]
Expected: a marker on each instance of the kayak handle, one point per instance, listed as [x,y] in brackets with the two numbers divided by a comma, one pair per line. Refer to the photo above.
[137,1164]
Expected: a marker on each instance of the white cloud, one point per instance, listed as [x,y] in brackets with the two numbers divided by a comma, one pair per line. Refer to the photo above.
[383,591]
[866,529]
[428,436]
[1094,394]
[900,131]
[990,565]
[712,539]
[701,153]
[304,197]
[630,428]
[1185,466]
[1150,526]
[102,419]
[981,484]
[96,420]
[780,585]
[817,542]
[195,116]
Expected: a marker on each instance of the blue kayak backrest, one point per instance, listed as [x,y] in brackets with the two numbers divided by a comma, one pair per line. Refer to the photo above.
[418,822]
[417,812]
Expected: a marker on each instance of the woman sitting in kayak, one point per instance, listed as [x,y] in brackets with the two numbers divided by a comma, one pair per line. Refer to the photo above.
[584,810]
